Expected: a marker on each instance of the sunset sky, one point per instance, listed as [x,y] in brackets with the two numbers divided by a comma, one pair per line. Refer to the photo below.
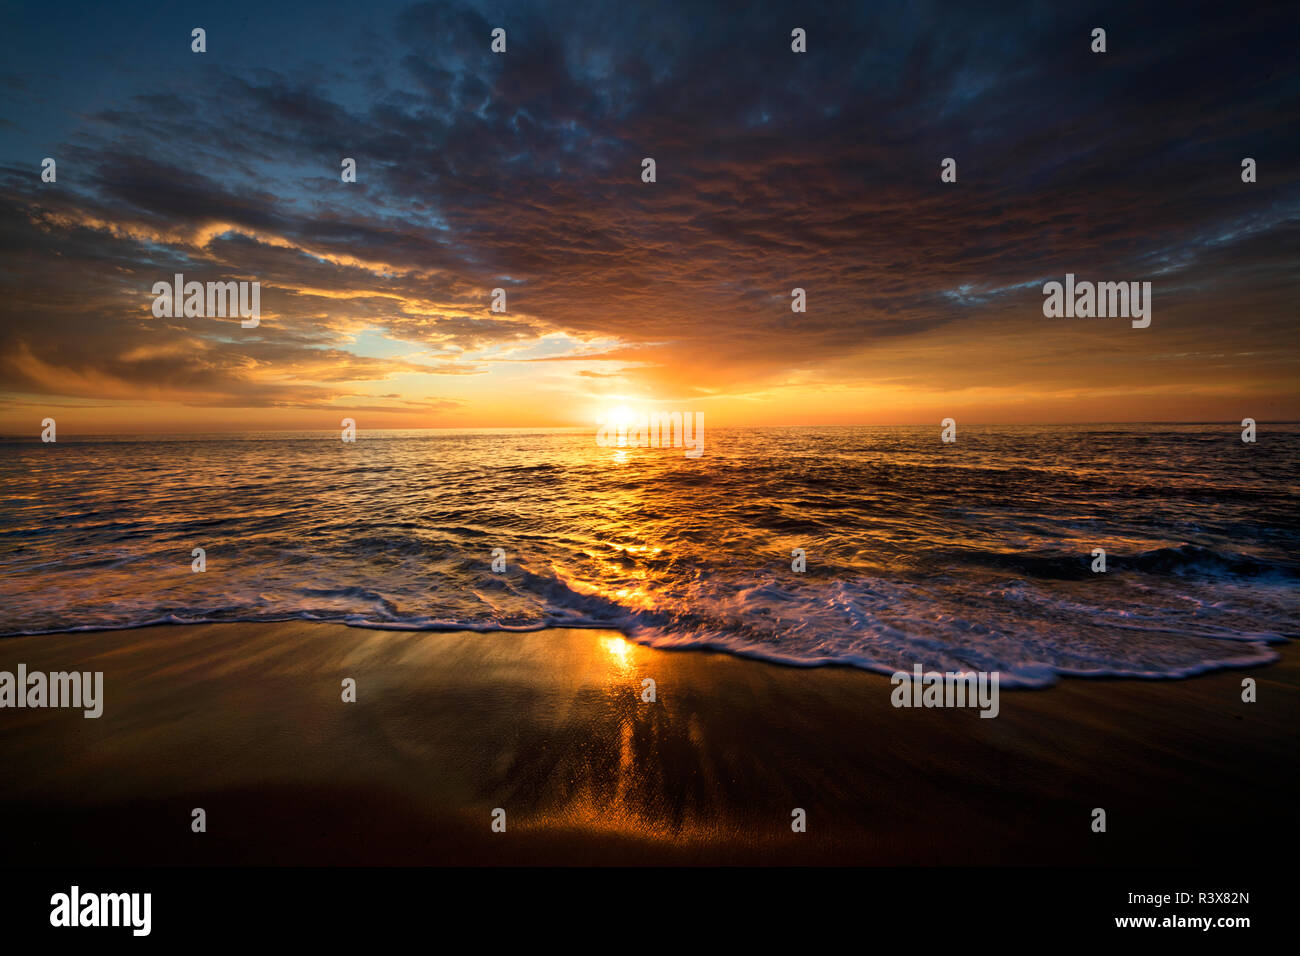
[775,170]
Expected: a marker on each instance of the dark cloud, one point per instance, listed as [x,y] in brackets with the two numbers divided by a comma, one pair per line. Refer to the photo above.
[521,171]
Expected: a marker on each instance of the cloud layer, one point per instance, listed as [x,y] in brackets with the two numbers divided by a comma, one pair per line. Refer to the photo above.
[775,170]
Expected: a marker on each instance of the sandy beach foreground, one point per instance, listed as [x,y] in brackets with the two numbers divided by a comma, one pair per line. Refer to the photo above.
[247,722]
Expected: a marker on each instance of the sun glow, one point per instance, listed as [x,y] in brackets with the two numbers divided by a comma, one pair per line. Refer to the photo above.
[619,649]
[619,417]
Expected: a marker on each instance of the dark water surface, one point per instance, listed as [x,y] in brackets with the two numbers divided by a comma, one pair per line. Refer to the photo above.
[967,556]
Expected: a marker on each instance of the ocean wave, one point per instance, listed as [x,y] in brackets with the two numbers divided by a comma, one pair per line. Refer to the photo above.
[975,556]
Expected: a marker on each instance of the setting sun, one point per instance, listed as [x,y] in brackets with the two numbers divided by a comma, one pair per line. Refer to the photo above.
[619,417]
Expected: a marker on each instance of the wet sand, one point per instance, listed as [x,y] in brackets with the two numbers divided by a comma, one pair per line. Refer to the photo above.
[247,722]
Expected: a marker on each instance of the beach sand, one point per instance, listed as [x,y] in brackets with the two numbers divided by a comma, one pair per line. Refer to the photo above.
[246,721]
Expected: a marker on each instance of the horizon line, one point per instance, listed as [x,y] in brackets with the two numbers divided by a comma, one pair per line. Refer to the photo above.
[526,428]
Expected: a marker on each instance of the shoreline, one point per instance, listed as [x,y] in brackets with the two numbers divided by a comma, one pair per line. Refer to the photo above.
[247,722]
[1272,645]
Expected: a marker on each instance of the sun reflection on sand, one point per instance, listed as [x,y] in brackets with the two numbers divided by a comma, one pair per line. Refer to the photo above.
[614,781]
[620,650]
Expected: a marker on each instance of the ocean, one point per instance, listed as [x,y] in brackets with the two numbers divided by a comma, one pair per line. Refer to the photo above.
[975,555]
